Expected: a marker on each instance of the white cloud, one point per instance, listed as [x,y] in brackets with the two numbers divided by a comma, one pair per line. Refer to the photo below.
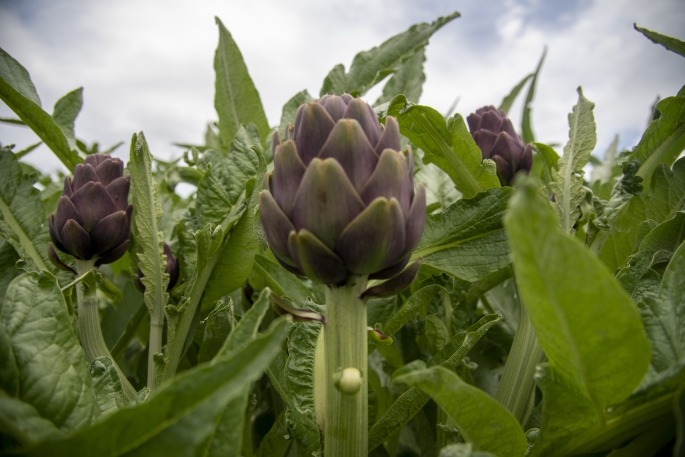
[148,65]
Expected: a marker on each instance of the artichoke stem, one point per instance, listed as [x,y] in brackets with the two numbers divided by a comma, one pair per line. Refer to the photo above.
[90,332]
[345,337]
[517,387]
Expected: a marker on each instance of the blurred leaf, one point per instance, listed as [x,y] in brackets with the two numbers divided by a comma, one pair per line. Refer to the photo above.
[11,120]
[567,180]
[478,417]
[407,80]
[27,149]
[526,124]
[592,336]
[511,97]
[18,92]
[670,43]
[65,112]
[52,367]
[371,67]
[448,144]
[22,426]
[8,270]
[290,110]
[467,240]
[140,430]
[277,442]
[236,99]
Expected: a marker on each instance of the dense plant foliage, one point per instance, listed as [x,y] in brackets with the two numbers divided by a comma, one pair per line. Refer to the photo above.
[543,319]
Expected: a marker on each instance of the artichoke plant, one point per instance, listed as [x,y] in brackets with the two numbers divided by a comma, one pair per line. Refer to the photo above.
[93,217]
[172,269]
[341,199]
[495,136]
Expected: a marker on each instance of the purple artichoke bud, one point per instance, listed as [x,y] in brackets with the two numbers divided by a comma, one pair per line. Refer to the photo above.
[495,136]
[93,217]
[341,198]
[172,268]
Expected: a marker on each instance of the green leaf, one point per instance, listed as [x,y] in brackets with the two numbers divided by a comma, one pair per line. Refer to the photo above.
[410,402]
[448,144]
[467,240]
[236,99]
[418,300]
[9,372]
[281,281]
[511,97]
[65,112]
[664,139]
[11,120]
[53,374]
[407,80]
[27,149]
[478,417]
[371,67]
[277,441]
[107,385]
[290,110]
[8,270]
[526,124]
[21,423]
[247,328]
[182,399]
[218,325]
[592,336]
[567,181]
[670,43]
[18,92]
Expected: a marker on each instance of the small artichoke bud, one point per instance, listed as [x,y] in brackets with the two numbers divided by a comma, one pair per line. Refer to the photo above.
[349,381]
[341,200]
[93,217]
[172,268]
[495,136]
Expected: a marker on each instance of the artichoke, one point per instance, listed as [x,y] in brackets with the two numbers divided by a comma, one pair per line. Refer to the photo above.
[495,136]
[341,199]
[172,269]
[93,217]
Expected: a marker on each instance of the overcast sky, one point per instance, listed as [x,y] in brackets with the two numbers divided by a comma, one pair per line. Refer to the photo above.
[148,64]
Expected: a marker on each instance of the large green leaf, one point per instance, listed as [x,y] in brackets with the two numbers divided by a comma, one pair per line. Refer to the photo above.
[19,93]
[407,80]
[371,67]
[526,123]
[478,417]
[567,180]
[22,426]
[183,399]
[53,374]
[448,144]
[65,112]
[8,271]
[236,98]
[410,402]
[670,43]
[467,240]
[592,336]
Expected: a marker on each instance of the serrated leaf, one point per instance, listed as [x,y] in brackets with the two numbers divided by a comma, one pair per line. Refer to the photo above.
[290,110]
[52,366]
[478,417]
[526,123]
[107,385]
[236,99]
[592,336]
[407,80]
[670,43]
[410,402]
[467,240]
[448,144]
[18,92]
[511,96]
[567,181]
[133,429]
[65,112]
[371,67]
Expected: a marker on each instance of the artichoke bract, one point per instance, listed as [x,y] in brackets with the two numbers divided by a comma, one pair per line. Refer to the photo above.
[495,136]
[341,199]
[93,217]
[173,269]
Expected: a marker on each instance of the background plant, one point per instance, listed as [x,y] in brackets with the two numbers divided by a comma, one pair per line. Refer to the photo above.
[578,280]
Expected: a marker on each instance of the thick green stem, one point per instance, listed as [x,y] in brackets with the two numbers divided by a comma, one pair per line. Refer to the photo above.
[346,427]
[154,346]
[90,332]
[517,386]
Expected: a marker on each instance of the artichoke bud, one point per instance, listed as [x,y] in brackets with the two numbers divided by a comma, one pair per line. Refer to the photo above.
[173,269]
[341,199]
[93,217]
[498,141]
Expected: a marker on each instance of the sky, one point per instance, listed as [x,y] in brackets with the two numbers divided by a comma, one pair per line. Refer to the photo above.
[148,64]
